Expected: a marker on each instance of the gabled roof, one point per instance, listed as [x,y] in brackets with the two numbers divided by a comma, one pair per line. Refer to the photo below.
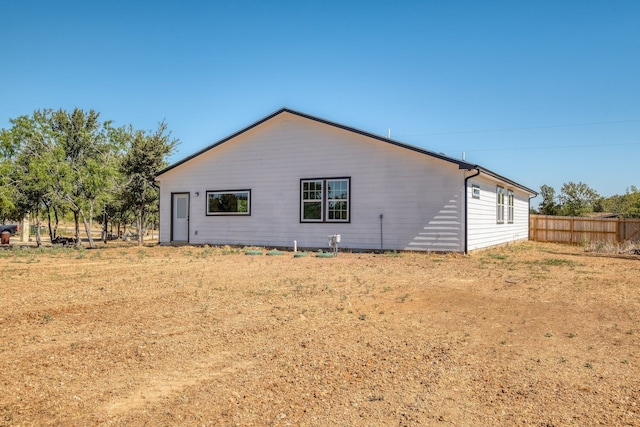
[461,163]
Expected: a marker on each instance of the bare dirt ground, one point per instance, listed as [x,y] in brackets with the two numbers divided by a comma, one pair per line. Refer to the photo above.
[529,334]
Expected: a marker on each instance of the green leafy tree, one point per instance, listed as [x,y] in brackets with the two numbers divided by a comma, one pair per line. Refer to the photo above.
[35,166]
[145,156]
[548,206]
[58,161]
[7,207]
[7,187]
[633,203]
[577,199]
[89,169]
[627,205]
[33,161]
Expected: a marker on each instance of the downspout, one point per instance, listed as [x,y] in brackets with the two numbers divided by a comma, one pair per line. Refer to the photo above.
[466,207]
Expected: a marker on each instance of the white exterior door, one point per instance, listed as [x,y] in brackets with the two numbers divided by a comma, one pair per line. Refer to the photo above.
[180,218]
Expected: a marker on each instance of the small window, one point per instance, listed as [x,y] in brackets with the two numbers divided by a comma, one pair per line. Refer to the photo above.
[325,200]
[500,205]
[234,202]
[475,191]
[181,208]
[510,200]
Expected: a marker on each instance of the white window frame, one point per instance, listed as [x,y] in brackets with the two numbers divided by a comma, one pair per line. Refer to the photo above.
[500,205]
[215,193]
[475,191]
[510,206]
[311,195]
[326,200]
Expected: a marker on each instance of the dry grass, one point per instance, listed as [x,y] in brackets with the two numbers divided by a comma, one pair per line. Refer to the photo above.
[610,248]
[529,334]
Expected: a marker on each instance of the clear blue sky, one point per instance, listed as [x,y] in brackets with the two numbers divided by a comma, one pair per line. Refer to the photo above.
[543,92]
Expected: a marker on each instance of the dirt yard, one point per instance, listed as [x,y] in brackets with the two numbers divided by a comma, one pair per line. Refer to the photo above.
[530,334]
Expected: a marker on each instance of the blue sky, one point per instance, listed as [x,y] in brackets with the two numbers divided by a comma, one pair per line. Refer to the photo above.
[542,92]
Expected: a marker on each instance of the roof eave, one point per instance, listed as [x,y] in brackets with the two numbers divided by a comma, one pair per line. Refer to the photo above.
[498,177]
[222,141]
[461,163]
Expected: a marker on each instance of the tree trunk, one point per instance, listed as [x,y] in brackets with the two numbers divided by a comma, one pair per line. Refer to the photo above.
[91,203]
[76,219]
[87,229]
[51,236]
[139,220]
[104,227]
[38,237]
[55,229]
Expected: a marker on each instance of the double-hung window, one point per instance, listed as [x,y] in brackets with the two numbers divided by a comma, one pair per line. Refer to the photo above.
[500,205]
[235,202]
[325,200]
[510,200]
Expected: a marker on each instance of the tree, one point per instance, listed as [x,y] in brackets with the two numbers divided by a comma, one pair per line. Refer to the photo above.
[7,187]
[33,158]
[89,168]
[628,204]
[145,156]
[577,199]
[7,207]
[633,202]
[548,206]
[59,161]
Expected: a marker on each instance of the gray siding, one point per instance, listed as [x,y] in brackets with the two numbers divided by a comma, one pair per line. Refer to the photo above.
[419,196]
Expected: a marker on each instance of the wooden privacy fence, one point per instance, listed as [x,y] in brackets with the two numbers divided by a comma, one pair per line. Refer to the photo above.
[575,230]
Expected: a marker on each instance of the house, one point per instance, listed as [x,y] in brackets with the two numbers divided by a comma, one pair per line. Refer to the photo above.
[294,177]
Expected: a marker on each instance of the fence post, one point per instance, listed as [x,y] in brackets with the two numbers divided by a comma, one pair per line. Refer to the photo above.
[571,230]
[621,231]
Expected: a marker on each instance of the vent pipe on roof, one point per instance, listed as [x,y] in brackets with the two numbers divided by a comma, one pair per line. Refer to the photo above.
[389,133]
[463,155]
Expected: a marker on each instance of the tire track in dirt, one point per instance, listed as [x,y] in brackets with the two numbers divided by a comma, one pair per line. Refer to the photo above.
[154,386]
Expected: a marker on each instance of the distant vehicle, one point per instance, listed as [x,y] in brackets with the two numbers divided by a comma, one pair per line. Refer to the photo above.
[13,229]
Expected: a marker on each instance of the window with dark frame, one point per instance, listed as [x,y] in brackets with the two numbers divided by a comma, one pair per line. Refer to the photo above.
[499,205]
[325,200]
[229,202]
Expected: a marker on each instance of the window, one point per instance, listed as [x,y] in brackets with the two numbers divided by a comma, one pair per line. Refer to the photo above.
[312,195]
[338,200]
[234,202]
[475,191]
[181,208]
[324,200]
[510,206]
[500,205]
